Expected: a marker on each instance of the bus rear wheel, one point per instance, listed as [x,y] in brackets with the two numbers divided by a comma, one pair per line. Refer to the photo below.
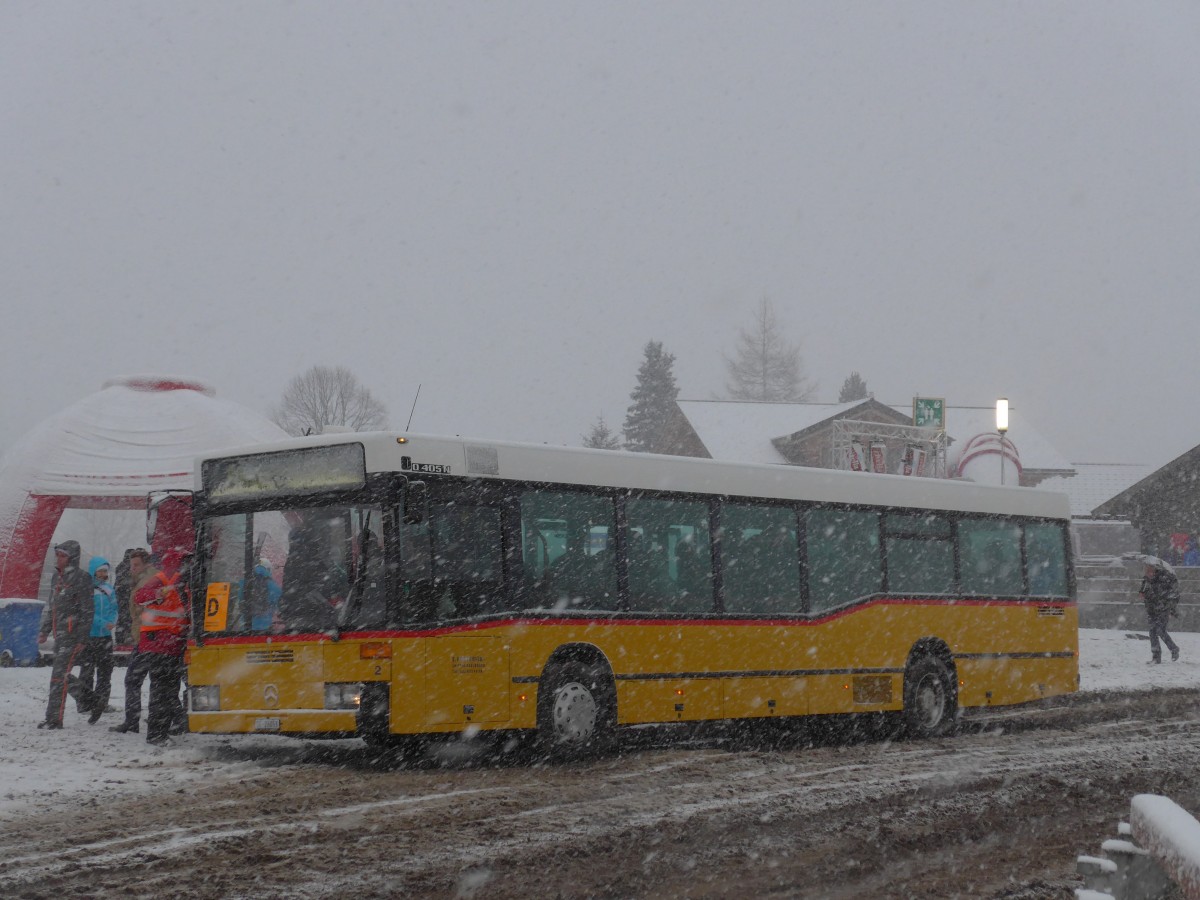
[930,700]
[576,712]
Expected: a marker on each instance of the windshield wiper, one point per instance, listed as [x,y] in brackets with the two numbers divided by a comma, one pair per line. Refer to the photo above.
[354,601]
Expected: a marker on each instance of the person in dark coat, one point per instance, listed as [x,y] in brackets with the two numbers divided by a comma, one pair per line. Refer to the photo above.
[311,589]
[123,585]
[70,622]
[1160,593]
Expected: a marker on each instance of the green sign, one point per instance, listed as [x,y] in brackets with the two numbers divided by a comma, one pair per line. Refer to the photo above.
[929,412]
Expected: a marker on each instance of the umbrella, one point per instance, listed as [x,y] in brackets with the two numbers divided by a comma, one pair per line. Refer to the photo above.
[1147,560]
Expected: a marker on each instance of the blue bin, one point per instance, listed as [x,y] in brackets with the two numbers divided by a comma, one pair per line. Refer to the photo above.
[20,621]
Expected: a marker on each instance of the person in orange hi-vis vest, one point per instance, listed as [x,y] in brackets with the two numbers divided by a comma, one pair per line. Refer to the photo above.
[141,571]
[164,620]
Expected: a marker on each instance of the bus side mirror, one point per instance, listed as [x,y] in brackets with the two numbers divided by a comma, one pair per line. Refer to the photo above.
[416,503]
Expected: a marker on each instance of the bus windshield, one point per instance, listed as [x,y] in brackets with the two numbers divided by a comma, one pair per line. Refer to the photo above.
[310,569]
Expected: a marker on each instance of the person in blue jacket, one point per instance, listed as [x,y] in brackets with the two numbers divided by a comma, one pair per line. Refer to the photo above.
[264,598]
[97,667]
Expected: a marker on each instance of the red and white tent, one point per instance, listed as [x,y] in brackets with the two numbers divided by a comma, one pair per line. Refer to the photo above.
[107,451]
[987,458]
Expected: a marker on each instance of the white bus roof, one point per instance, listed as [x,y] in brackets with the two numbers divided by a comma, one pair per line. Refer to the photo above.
[387,452]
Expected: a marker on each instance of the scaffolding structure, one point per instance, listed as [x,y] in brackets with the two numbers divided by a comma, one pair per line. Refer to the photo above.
[896,438]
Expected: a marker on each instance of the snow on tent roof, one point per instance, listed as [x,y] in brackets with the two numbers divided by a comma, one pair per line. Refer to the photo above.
[137,434]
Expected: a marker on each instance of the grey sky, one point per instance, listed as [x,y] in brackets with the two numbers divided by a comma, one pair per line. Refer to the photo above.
[505,201]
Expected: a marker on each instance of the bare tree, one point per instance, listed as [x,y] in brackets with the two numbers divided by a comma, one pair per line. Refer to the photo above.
[766,366]
[322,396]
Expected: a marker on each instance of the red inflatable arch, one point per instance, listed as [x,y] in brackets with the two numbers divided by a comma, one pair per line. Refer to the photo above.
[982,457]
[108,451]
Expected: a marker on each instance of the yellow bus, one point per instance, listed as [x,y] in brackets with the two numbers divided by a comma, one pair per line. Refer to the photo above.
[397,587]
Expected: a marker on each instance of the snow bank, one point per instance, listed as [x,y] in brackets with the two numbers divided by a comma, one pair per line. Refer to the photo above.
[1171,835]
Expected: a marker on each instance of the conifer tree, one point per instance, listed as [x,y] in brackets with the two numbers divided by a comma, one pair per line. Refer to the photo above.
[601,436]
[766,366]
[853,388]
[653,399]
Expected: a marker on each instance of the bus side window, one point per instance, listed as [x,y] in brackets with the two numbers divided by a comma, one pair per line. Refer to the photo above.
[920,554]
[566,559]
[418,596]
[466,559]
[989,552]
[669,556]
[760,559]
[1045,554]
[844,560]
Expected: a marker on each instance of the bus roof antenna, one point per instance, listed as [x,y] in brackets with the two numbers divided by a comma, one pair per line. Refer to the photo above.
[414,407]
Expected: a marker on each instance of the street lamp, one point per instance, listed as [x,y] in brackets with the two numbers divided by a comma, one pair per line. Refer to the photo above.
[1002,426]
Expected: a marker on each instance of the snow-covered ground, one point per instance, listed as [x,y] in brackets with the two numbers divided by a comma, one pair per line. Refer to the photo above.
[93,764]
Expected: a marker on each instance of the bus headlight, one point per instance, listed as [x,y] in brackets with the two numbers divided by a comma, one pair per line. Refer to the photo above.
[206,697]
[343,696]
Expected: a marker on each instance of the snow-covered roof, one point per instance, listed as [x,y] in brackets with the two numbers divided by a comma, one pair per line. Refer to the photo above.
[1095,483]
[137,434]
[742,431]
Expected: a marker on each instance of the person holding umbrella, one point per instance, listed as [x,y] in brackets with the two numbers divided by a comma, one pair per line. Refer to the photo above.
[1160,593]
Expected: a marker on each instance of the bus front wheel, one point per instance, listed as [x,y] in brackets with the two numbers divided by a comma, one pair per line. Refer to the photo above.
[930,701]
[575,712]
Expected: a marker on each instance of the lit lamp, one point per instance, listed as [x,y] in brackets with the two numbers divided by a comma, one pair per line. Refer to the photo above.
[1002,426]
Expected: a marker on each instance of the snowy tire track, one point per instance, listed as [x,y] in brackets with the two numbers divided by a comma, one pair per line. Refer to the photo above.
[1010,803]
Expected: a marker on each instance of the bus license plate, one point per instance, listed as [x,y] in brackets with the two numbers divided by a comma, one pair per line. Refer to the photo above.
[266,724]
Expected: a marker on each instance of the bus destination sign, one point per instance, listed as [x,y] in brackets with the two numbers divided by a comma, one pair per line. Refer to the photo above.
[305,470]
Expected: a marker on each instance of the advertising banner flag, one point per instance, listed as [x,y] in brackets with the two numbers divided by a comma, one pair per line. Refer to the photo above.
[914,460]
[858,458]
[878,456]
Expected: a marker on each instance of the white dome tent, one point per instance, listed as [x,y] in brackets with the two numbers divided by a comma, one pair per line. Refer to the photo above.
[108,451]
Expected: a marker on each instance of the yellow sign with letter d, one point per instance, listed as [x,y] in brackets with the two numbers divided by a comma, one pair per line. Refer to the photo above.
[216,606]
